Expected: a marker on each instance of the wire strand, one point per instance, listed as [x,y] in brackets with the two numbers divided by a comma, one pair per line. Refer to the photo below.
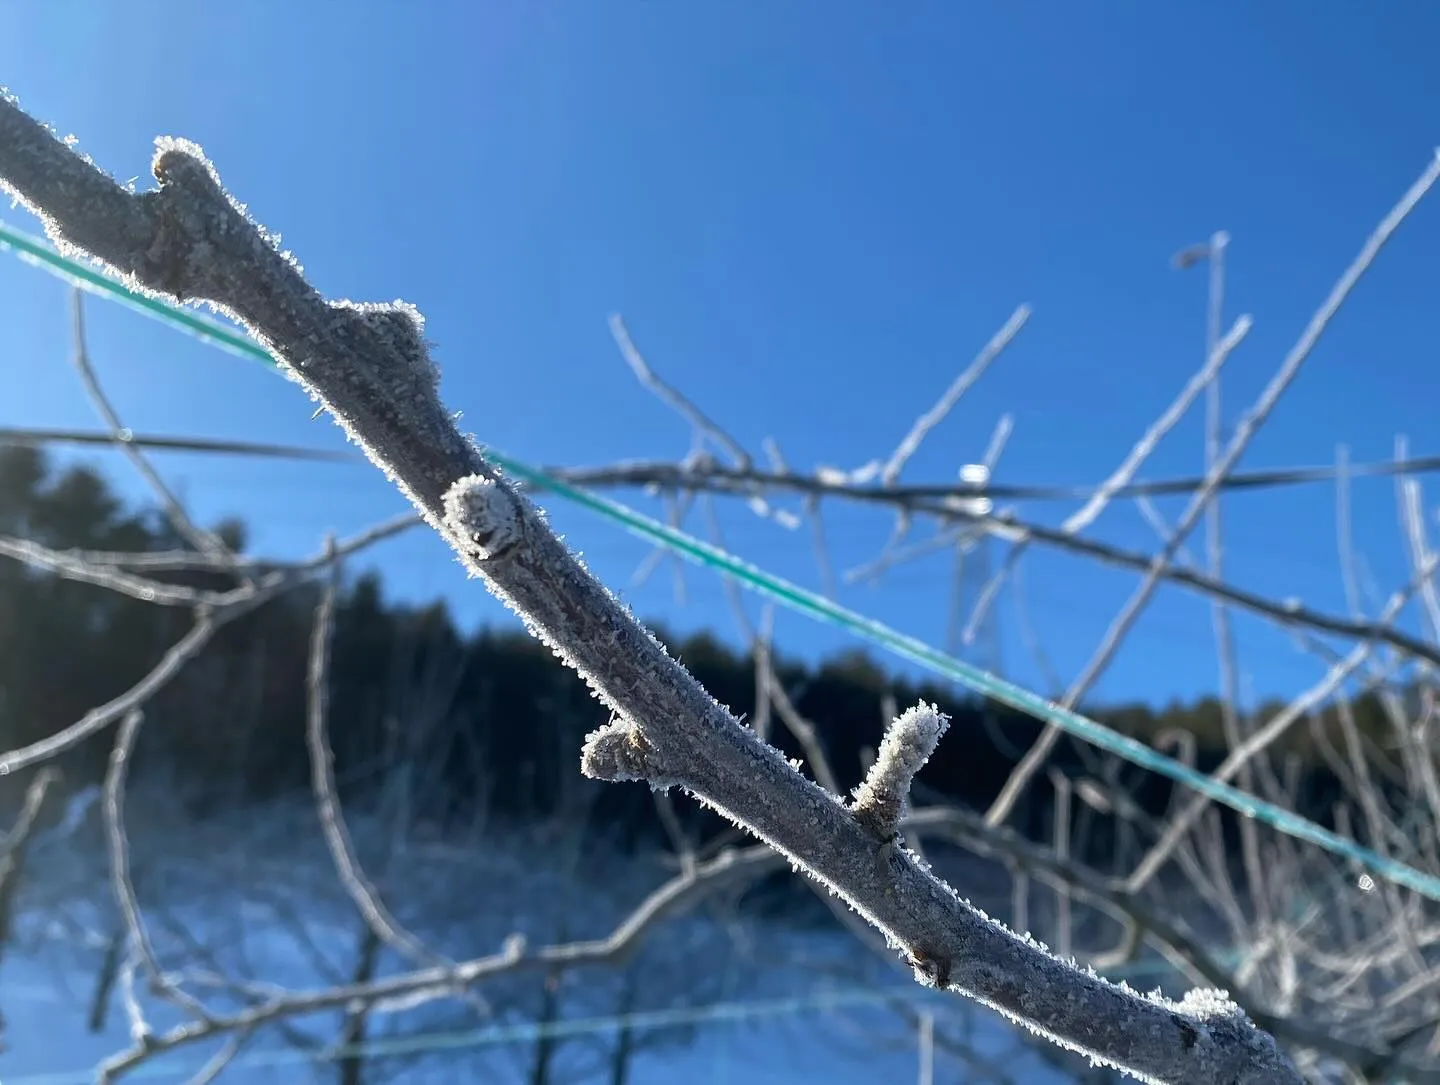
[635,475]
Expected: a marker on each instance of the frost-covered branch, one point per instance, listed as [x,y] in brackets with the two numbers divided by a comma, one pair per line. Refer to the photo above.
[368,365]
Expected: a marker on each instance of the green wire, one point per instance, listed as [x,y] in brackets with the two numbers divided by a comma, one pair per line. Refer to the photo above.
[36,251]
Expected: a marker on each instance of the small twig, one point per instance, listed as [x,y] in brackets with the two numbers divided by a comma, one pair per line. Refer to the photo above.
[673,898]
[1206,377]
[361,891]
[217,1062]
[64,561]
[16,844]
[206,542]
[802,729]
[911,442]
[97,719]
[704,426]
[142,951]
[1266,735]
[1249,425]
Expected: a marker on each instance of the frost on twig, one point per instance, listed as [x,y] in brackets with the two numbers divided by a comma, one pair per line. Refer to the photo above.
[883,799]
[367,365]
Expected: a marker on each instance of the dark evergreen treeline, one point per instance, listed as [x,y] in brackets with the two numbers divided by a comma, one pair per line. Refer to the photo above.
[488,723]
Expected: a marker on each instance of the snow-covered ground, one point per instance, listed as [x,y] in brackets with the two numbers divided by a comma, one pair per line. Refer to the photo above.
[760,1042]
[713,997]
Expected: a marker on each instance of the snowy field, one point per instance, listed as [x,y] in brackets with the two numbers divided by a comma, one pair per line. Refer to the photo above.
[712,997]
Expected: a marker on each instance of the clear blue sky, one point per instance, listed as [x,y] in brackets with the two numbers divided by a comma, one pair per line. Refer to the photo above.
[812,215]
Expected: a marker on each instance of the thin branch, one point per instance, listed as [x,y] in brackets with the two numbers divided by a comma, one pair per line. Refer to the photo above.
[910,443]
[420,985]
[141,949]
[1226,657]
[1204,378]
[97,719]
[361,891]
[1289,613]
[1249,425]
[31,437]
[1264,736]
[204,541]
[175,561]
[803,730]
[702,423]
[207,622]
[145,589]
[15,846]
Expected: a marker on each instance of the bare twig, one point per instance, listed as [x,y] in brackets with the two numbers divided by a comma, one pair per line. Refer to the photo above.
[141,950]
[97,719]
[421,985]
[204,541]
[911,442]
[358,886]
[703,425]
[1249,425]
[15,845]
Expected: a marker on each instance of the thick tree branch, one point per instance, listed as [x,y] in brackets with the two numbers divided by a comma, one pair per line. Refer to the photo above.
[368,365]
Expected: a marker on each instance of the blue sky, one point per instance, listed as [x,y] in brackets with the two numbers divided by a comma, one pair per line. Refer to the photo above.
[812,216]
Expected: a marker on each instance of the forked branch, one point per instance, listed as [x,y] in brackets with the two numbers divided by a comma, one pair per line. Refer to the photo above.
[369,367]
